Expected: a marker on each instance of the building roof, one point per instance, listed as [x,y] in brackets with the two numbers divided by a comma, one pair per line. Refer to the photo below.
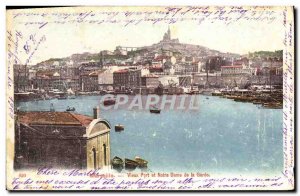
[154,68]
[150,76]
[54,118]
[90,73]
[232,66]
[122,71]
[94,73]
[161,57]
[48,73]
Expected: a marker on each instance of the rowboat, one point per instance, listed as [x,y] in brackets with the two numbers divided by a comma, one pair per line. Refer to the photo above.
[142,163]
[155,110]
[117,163]
[62,97]
[272,105]
[70,109]
[216,93]
[109,101]
[130,164]
[119,127]
[72,97]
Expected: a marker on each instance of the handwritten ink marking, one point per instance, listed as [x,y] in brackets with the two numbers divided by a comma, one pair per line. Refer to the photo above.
[31,52]
[168,15]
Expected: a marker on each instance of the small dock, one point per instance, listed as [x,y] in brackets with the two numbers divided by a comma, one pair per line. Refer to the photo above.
[267,99]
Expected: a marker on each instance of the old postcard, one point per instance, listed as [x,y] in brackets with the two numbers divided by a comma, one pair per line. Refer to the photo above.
[150,98]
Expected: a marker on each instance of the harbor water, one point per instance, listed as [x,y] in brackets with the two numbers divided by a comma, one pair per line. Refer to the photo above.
[223,136]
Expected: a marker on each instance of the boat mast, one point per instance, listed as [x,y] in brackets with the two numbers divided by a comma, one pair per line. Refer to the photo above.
[207,72]
[271,76]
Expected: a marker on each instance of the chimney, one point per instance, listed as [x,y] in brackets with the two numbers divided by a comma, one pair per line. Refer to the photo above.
[96,112]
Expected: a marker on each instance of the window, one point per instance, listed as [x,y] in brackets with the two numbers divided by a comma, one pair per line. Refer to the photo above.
[94,158]
[104,153]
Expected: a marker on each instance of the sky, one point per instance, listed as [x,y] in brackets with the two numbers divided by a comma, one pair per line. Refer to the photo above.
[68,39]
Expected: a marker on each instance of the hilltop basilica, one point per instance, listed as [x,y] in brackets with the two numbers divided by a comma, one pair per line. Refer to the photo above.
[167,38]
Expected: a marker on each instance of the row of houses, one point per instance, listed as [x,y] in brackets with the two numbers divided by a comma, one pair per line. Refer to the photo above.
[90,76]
[254,67]
[122,78]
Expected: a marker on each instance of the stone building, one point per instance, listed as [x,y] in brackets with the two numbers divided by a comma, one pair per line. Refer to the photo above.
[89,81]
[186,68]
[21,78]
[127,78]
[149,81]
[237,70]
[61,140]
[51,79]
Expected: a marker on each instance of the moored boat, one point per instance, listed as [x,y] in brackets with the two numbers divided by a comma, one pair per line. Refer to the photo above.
[272,105]
[256,102]
[216,93]
[131,164]
[154,110]
[72,97]
[142,163]
[109,101]
[206,92]
[119,128]
[117,163]
[62,97]
[70,109]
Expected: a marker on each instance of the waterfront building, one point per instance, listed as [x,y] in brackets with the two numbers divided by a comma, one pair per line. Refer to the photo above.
[167,80]
[127,78]
[21,78]
[239,67]
[72,83]
[89,81]
[186,68]
[232,70]
[51,79]
[61,140]
[106,76]
[203,80]
[105,79]
[149,81]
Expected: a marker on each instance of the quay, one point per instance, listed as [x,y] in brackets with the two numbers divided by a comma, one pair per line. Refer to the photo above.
[265,98]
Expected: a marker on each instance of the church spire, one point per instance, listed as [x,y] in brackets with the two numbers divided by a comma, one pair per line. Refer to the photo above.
[167,35]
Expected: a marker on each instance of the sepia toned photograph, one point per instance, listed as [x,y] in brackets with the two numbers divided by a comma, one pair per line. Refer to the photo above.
[174,98]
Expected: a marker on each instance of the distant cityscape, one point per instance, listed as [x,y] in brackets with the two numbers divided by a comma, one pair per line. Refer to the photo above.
[167,67]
